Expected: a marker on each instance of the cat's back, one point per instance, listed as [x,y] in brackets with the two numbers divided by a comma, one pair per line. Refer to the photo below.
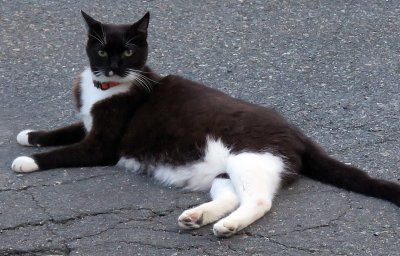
[186,95]
[180,104]
[181,88]
[181,91]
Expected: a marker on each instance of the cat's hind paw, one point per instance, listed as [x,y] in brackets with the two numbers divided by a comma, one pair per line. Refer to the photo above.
[24,164]
[225,228]
[190,219]
[23,138]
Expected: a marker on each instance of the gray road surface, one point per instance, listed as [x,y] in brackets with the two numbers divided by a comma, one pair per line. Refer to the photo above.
[331,67]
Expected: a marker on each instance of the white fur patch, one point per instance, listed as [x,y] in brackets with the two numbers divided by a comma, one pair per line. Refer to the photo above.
[195,176]
[200,175]
[255,172]
[90,95]
[22,138]
[24,164]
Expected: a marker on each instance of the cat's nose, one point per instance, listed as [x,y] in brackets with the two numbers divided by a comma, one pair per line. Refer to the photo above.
[114,64]
[114,67]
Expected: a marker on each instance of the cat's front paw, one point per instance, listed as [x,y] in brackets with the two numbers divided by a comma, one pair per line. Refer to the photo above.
[24,164]
[23,138]
[190,219]
[225,228]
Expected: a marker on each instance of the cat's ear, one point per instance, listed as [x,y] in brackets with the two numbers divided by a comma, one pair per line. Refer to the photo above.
[142,24]
[90,22]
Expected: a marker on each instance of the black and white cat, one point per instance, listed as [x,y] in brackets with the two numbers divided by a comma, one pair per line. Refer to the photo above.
[185,134]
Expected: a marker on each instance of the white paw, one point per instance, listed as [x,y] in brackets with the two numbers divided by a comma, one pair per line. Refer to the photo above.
[190,219]
[24,164]
[22,138]
[225,228]
[130,164]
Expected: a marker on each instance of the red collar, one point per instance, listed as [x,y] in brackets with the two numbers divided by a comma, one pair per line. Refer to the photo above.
[105,85]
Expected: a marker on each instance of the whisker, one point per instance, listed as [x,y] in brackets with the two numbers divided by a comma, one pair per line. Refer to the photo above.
[144,78]
[139,83]
[98,71]
[143,84]
[138,72]
[128,42]
[99,38]
[104,34]
[147,79]
[101,42]
[132,75]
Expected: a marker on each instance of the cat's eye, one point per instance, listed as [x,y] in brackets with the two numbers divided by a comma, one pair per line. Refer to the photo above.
[102,53]
[128,53]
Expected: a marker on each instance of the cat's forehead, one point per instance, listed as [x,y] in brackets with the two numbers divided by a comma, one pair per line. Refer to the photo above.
[116,30]
[116,36]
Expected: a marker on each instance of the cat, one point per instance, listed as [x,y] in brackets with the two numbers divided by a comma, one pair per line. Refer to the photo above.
[186,135]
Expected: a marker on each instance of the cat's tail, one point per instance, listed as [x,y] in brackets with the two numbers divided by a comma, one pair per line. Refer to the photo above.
[319,166]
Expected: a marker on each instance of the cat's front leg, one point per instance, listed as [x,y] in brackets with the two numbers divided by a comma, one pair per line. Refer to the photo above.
[89,152]
[99,147]
[59,137]
[63,136]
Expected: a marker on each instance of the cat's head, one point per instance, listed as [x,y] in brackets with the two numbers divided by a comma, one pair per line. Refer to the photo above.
[116,52]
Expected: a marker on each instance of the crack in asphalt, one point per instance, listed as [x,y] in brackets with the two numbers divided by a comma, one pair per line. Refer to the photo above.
[65,248]
[40,251]
[153,245]
[273,238]
[66,242]
[56,183]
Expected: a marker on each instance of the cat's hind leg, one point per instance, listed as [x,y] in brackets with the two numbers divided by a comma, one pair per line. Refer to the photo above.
[255,178]
[224,201]
[59,137]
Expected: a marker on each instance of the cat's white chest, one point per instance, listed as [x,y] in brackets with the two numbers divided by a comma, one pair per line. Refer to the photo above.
[91,95]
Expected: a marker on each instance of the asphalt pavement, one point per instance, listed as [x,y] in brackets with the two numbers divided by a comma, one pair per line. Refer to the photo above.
[331,67]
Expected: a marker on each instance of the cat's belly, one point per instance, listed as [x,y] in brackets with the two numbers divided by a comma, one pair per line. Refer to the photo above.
[194,176]
[217,159]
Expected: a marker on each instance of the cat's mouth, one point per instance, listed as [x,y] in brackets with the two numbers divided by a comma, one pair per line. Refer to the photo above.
[111,77]
[105,85]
